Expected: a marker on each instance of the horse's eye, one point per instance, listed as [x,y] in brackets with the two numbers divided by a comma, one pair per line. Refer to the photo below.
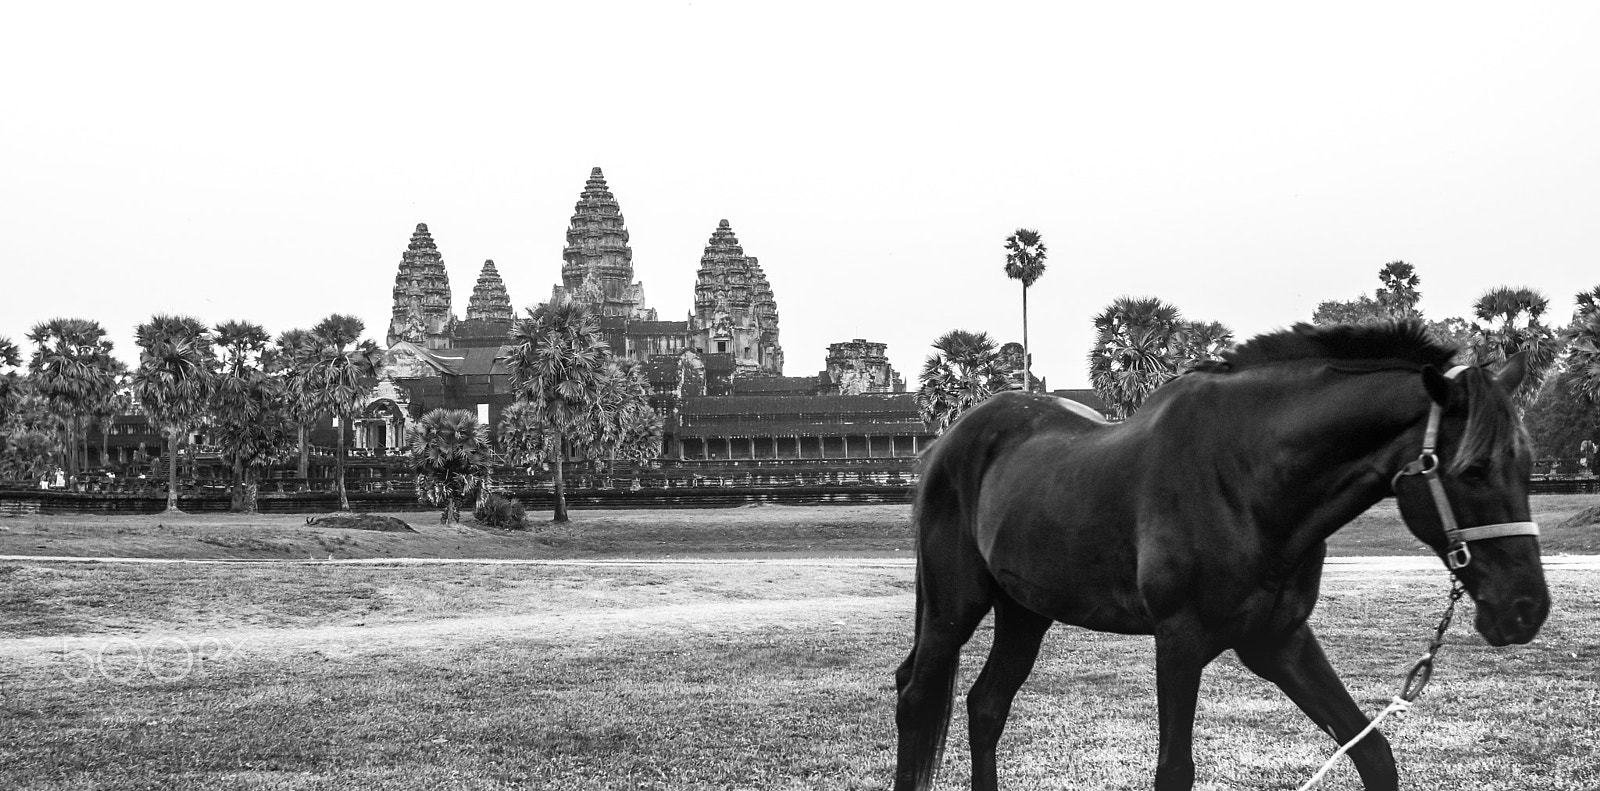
[1476,473]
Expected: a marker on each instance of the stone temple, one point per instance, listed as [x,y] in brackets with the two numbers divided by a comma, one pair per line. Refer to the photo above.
[716,376]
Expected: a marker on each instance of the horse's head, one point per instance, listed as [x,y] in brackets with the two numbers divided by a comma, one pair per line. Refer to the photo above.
[1466,496]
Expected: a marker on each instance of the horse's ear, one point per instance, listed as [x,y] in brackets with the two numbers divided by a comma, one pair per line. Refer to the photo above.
[1437,385]
[1512,373]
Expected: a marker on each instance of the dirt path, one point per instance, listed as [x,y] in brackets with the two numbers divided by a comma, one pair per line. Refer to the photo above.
[573,627]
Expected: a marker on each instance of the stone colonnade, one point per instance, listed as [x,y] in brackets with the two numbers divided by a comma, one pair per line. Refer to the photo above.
[853,446]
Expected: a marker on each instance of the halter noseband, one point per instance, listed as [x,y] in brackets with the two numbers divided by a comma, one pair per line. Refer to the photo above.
[1427,465]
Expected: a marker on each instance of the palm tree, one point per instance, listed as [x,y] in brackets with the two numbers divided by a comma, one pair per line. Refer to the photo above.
[964,369]
[643,433]
[173,382]
[1199,341]
[249,406]
[1513,323]
[1025,253]
[292,362]
[1583,348]
[450,454]
[10,358]
[72,368]
[1137,349]
[342,366]
[556,359]
[111,403]
[30,435]
[1399,295]
[523,440]
[624,423]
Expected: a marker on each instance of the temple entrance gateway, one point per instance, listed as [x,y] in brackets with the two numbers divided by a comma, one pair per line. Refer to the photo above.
[380,428]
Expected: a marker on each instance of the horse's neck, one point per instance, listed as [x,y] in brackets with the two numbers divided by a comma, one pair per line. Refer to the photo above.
[1335,444]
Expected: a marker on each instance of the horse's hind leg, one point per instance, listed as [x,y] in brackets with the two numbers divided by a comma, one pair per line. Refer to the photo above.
[954,592]
[1018,632]
[1294,661]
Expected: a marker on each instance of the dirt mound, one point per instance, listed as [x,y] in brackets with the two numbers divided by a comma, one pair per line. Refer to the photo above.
[353,521]
[1584,518]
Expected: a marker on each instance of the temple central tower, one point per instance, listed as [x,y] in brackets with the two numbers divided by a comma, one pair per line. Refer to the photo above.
[597,268]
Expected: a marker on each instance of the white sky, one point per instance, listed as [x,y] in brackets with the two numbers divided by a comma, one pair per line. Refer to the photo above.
[1242,161]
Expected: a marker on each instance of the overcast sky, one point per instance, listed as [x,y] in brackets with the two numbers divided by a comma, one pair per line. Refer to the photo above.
[1242,161]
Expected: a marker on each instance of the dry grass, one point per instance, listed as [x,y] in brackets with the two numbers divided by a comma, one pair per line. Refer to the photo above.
[693,677]
[757,530]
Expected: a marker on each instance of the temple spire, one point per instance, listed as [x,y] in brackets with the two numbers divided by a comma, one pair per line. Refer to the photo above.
[489,302]
[735,311]
[597,266]
[421,312]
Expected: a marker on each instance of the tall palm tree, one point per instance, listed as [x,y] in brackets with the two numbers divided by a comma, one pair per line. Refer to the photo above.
[1513,322]
[342,368]
[72,368]
[1138,347]
[450,455]
[251,424]
[173,382]
[556,360]
[292,364]
[1399,294]
[964,369]
[1025,254]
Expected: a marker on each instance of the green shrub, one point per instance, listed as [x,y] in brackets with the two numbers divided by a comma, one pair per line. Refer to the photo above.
[498,511]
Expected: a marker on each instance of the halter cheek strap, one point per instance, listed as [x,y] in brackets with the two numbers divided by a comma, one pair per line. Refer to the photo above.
[1427,465]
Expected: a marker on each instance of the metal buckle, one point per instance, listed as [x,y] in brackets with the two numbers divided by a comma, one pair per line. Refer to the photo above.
[1426,463]
[1458,556]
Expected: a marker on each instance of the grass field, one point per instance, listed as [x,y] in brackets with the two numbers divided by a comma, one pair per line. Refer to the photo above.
[759,531]
[723,674]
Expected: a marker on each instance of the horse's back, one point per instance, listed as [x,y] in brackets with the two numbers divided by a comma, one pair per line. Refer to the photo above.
[954,468]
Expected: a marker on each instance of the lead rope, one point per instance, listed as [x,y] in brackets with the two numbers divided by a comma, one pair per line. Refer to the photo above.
[1410,690]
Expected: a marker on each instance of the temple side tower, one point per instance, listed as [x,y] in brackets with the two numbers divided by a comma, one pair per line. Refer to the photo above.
[735,311]
[862,366]
[598,263]
[489,302]
[422,295]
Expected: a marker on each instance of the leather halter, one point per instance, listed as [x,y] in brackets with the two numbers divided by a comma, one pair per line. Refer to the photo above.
[1457,556]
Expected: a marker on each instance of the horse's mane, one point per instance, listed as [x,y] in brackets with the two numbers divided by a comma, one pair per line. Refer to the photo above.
[1492,422]
[1399,342]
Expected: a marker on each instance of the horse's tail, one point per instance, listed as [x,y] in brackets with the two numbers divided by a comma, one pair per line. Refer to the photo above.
[923,724]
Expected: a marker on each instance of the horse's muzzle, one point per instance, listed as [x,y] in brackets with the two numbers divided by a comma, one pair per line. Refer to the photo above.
[1514,622]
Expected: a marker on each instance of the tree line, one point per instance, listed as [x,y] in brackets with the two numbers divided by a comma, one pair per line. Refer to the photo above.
[258,397]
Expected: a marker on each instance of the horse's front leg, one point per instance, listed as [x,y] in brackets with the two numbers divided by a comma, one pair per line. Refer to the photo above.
[1295,662]
[1183,649]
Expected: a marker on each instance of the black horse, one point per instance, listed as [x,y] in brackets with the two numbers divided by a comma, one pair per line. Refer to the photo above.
[1202,521]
